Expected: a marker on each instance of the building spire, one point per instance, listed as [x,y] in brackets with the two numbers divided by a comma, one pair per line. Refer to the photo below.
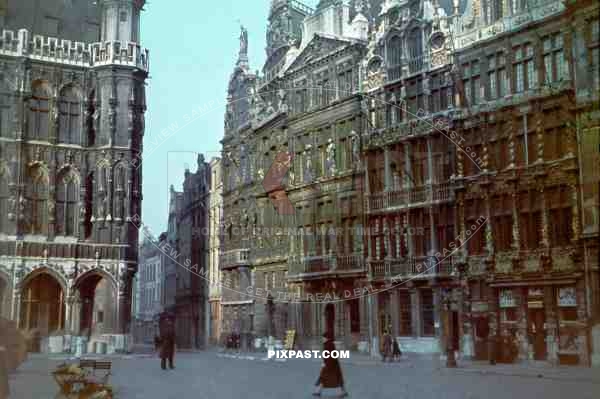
[243,55]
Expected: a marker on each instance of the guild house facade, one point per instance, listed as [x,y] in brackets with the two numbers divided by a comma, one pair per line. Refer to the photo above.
[71,127]
[433,164]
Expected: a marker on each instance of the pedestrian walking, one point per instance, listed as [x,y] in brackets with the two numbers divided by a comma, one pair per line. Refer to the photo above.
[167,345]
[396,352]
[331,372]
[387,346]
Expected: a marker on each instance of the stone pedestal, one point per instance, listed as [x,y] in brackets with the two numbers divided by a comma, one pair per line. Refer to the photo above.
[596,346]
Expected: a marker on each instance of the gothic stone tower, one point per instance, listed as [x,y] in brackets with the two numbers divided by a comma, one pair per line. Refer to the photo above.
[71,126]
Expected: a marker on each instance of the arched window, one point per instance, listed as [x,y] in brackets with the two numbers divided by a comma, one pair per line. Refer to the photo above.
[67,197]
[37,196]
[69,124]
[415,50]
[39,112]
[4,195]
[394,52]
[5,108]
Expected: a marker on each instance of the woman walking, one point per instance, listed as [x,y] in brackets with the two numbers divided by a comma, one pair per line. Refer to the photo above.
[331,372]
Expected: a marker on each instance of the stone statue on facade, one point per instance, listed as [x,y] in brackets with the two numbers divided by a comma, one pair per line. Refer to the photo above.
[355,149]
[331,165]
[307,164]
[282,106]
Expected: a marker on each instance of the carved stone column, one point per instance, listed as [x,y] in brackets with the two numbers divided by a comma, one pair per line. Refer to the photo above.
[574,212]
[407,167]
[516,236]
[545,238]
[489,238]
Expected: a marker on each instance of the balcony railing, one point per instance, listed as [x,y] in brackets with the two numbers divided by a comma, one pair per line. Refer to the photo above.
[403,198]
[325,264]
[267,253]
[235,257]
[411,267]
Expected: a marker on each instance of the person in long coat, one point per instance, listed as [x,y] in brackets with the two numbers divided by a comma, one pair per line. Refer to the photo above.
[167,345]
[387,346]
[331,372]
[396,352]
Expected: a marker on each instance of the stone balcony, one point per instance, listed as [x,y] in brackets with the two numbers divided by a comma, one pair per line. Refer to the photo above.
[390,201]
[537,261]
[411,267]
[234,258]
[60,51]
[325,266]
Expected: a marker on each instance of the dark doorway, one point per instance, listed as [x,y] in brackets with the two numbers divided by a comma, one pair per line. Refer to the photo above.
[455,331]
[537,334]
[481,335]
[42,308]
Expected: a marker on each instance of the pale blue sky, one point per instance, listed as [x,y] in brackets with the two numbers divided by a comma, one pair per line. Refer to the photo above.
[193,48]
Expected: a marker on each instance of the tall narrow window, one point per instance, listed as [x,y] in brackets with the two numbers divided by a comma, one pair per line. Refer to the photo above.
[415,46]
[555,66]
[5,111]
[91,119]
[38,115]
[394,51]
[67,193]
[37,194]
[405,313]
[89,198]
[69,108]
[4,195]
[530,219]
[558,201]
[427,309]
[120,184]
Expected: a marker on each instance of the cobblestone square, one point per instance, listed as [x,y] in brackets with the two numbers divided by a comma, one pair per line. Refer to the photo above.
[212,376]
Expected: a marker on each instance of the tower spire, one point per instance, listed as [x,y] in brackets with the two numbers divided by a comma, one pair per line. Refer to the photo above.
[243,55]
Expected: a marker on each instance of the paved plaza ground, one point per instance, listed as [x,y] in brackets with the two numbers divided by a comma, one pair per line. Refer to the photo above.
[213,375]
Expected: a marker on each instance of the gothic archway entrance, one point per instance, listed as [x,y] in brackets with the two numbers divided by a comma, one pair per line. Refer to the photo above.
[42,308]
[95,308]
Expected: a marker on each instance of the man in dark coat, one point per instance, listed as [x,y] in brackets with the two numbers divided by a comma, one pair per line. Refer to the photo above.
[331,372]
[396,352]
[387,346]
[167,345]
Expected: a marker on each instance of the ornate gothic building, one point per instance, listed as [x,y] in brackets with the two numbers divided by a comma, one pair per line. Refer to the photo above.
[71,126]
[418,167]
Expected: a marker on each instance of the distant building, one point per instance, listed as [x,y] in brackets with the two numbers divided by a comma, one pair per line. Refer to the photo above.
[215,213]
[150,289]
[171,265]
[192,263]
